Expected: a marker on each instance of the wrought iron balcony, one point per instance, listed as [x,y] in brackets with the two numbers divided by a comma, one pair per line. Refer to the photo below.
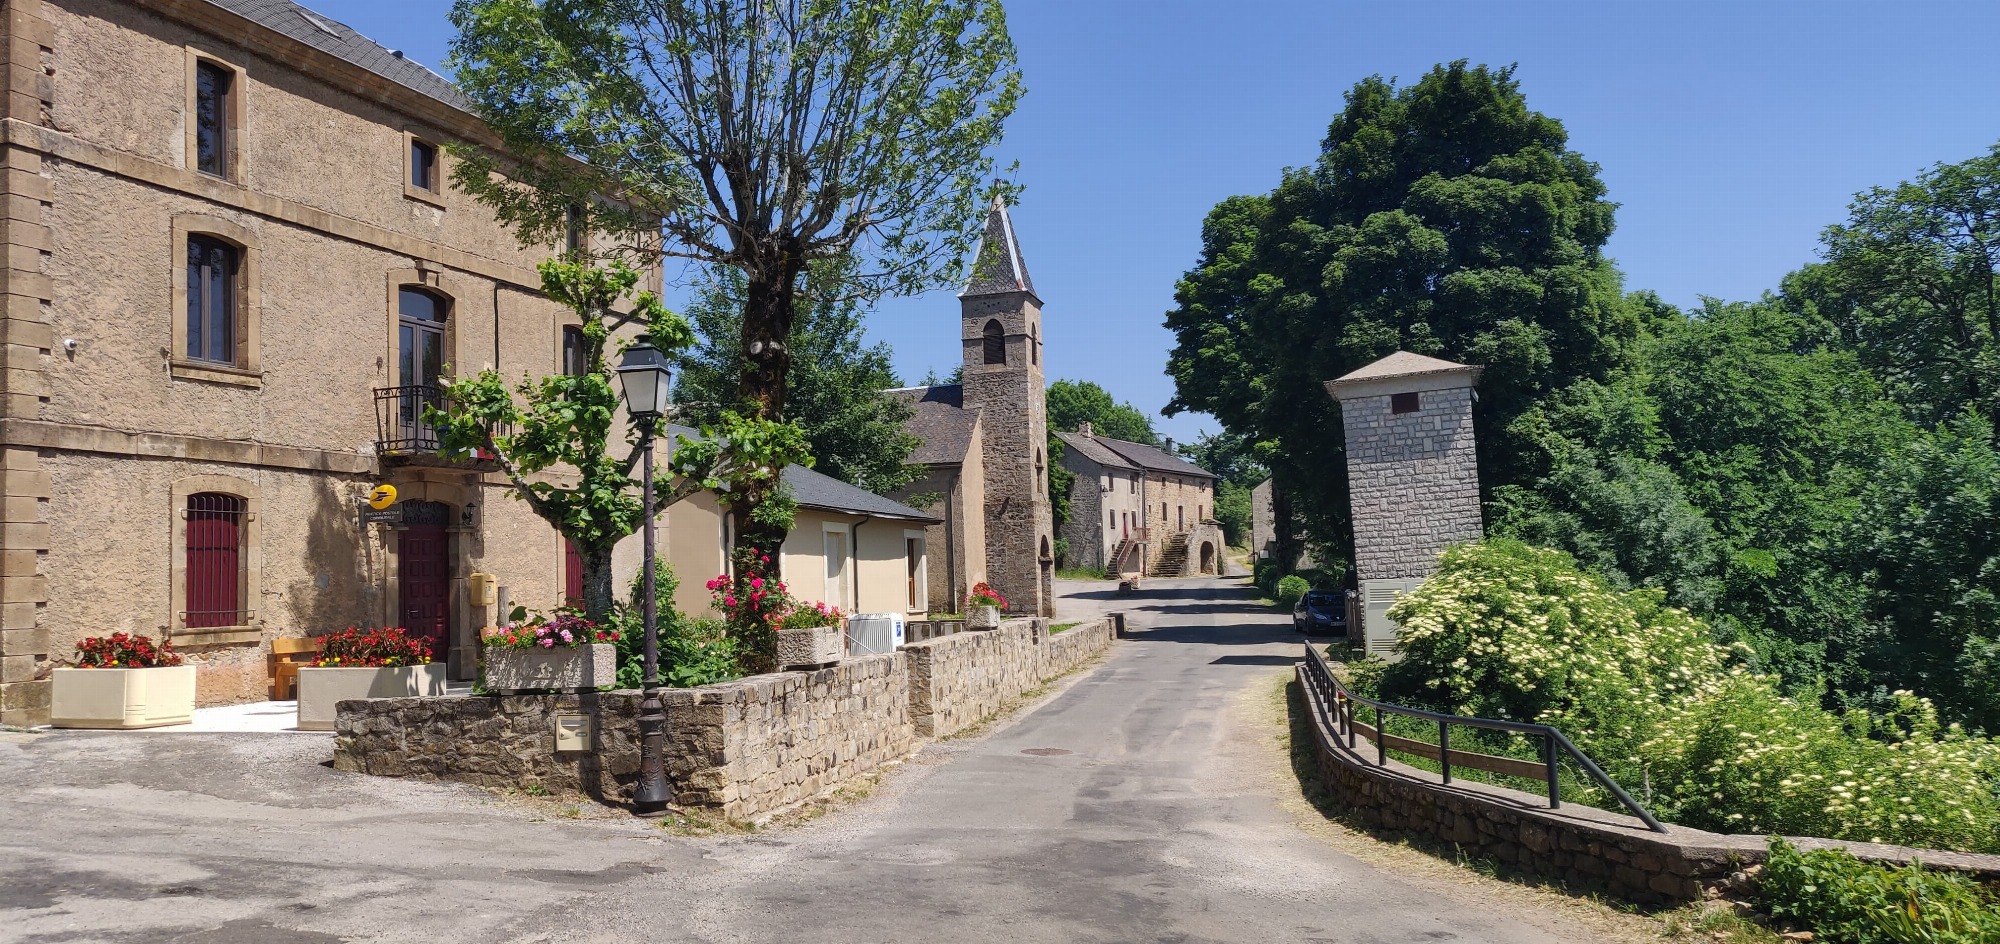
[402,434]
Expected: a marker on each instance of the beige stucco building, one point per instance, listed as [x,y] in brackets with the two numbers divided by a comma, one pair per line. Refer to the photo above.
[1135,508]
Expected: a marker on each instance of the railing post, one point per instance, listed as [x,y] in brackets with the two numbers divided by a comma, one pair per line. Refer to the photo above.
[1549,758]
[1444,748]
[1350,726]
[1381,740]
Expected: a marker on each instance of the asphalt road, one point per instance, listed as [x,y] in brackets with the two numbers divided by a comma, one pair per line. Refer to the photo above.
[1136,804]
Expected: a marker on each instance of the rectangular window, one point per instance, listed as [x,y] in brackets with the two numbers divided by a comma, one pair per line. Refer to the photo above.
[211,300]
[214,561]
[574,231]
[574,363]
[423,166]
[1403,403]
[213,86]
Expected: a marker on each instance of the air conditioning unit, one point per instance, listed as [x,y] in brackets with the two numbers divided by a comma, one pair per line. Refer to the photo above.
[1378,632]
[874,633]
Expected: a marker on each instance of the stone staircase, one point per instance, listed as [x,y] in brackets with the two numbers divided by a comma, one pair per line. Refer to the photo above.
[1172,561]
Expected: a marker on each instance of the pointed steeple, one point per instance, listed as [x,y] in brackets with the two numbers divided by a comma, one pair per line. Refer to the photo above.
[998,269]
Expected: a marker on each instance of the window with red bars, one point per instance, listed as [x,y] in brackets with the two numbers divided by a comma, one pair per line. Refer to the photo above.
[215,560]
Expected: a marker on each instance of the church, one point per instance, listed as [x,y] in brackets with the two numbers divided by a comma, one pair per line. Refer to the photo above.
[983,442]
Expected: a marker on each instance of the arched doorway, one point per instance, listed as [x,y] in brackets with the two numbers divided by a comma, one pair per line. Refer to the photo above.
[1208,557]
[423,573]
[1048,581]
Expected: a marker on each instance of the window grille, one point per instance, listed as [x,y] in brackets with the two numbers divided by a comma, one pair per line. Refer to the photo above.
[215,560]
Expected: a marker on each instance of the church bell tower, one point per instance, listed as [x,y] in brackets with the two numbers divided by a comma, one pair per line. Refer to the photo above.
[1001,322]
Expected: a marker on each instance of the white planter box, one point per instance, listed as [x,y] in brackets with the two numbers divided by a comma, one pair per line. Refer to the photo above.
[983,617]
[322,690]
[819,645]
[555,669]
[122,698]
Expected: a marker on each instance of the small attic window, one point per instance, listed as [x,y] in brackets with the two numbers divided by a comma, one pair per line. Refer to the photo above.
[319,24]
[1400,403]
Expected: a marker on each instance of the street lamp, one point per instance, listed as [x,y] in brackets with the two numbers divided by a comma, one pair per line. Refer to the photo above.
[643,375]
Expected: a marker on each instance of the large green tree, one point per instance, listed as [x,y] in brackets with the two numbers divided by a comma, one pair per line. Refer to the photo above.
[1445,218]
[1072,403]
[836,391]
[755,135]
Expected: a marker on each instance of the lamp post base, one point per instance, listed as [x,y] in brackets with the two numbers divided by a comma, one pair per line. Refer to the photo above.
[651,796]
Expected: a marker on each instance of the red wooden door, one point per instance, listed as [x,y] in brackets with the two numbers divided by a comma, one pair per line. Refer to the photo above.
[424,574]
[572,574]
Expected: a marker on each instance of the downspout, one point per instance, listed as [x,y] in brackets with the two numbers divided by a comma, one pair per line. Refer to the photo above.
[951,542]
[854,558]
[1145,513]
[496,326]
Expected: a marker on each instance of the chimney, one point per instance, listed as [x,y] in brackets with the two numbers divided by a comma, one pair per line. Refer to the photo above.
[1170,445]
[1084,429]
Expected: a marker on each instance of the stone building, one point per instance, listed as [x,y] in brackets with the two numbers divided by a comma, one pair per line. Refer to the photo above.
[1412,473]
[1264,502]
[1135,508]
[983,442]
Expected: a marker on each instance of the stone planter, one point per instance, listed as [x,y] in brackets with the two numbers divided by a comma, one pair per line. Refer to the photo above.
[555,669]
[321,690]
[122,698]
[814,646]
[983,617]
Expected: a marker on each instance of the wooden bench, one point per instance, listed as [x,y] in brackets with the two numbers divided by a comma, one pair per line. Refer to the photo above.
[287,655]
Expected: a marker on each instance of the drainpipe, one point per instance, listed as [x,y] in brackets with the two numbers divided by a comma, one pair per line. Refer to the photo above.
[951,542]
[496,325]
[854,558]
[1145,514]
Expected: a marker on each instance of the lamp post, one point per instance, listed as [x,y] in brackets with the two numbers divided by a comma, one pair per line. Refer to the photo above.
[643,375]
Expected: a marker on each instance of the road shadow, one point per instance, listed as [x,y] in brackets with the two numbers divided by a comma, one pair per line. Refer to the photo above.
[1257,660]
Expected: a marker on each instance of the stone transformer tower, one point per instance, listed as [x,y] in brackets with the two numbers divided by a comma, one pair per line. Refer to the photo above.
[1412,475]
[1001,329]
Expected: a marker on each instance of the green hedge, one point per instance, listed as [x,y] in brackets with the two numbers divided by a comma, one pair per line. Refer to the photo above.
[1290,589]
[1844,900]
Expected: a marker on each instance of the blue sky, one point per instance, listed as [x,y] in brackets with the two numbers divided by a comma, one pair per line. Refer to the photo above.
[1730,133]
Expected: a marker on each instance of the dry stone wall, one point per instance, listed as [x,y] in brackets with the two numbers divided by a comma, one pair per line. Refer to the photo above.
[747,749]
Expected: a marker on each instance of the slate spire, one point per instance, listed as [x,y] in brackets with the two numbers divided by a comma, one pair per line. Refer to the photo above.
[998,269]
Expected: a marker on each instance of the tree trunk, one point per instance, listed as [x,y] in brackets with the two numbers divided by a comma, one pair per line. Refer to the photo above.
[767,361]
[597,592]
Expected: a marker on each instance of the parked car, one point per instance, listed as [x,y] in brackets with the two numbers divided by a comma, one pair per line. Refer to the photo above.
[1321,611]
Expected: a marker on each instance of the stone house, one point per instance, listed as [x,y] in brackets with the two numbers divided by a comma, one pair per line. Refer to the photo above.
[1264,499]
[982,443]
[1135,508]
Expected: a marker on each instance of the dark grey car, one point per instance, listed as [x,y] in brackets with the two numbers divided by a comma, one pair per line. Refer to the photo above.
[1321,611]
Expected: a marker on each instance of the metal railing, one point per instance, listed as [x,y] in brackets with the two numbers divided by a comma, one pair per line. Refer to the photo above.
[400,427]
[1336,704]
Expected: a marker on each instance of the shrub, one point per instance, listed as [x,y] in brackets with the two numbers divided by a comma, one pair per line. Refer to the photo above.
[692,651]
[124,651]
[562,629]
[374,648]
[1290,589]
[812,616]
[1847,901]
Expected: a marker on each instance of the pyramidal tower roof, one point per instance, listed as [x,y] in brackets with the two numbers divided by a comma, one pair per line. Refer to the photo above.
[998,269]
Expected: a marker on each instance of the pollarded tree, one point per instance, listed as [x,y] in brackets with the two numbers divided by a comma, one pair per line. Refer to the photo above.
[756,135]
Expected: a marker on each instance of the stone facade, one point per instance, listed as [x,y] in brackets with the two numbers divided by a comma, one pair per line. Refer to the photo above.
[747,749]
[1582,847]
[108,427]
[1134,506]
[1412,465]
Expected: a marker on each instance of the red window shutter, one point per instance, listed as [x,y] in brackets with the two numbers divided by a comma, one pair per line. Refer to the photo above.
[214,560]
[572,574]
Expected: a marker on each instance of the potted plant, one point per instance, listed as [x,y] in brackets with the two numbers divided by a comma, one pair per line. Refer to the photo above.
[811,636]
[365,663]
[562,653]
[983,606]
[122,681]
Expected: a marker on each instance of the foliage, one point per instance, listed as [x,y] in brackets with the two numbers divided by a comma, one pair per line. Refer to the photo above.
[124,651]
[1072,403]
[1444,218]
[1061,482]
[835,390]
[983,594]
[1233,510]
[1847,901]
[1290,589]
[752,602]
[811,616]
[1507,630]
[747,134]
[566,629]
[692,651]
[382,647]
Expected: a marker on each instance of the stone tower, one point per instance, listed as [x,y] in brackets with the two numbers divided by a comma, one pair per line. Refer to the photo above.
[1001,327]
[1412,475]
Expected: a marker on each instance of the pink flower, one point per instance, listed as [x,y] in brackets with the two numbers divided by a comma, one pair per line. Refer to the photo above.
[729,600]
[547,642]
[756,583]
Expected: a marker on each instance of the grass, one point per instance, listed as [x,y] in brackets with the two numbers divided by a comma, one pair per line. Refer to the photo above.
[1060,627]
[1083,573]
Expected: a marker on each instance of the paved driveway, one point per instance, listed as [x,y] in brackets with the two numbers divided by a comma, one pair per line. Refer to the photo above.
[1137,804]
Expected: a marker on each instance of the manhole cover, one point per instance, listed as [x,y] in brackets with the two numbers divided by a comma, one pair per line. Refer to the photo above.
[1047,751]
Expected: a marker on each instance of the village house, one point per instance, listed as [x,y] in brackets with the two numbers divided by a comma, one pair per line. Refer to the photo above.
[1135,508]
[235,275]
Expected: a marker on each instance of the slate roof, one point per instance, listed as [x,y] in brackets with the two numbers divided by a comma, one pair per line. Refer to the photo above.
[1153,458]
[940,421]
[1090,448]
[1402,364]
[329,35]
[826,493]
[998,268]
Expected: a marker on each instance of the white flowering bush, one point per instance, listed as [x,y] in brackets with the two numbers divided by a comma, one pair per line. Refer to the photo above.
[1505,630]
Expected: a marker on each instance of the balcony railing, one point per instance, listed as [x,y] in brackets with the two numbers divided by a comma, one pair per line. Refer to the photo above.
[402,433]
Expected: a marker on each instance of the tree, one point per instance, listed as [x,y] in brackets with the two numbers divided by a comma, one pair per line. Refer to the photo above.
[836,391]
[563,424]
[1072,403]
[1444,218]
[1233,459]
[756,135]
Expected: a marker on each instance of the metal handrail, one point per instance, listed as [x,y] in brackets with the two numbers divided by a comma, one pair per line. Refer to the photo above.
[1335,694]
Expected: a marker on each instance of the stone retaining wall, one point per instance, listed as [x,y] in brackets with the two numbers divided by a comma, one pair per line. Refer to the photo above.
[1582,847]
[746,749]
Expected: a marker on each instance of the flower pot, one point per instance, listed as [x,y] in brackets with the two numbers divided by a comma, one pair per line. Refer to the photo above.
[812,646]
[321,690]
[554,669]
[122,698]
[983,617]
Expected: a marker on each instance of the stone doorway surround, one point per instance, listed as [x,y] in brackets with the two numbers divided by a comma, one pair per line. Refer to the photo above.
[459,490]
